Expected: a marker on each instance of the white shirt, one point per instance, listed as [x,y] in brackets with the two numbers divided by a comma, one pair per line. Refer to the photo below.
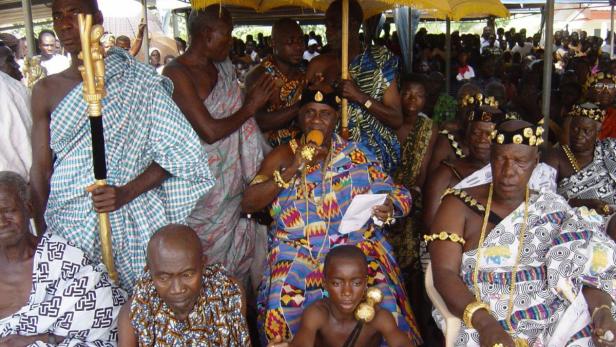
[56,64]
[15,126]
[308,56]
[524,50]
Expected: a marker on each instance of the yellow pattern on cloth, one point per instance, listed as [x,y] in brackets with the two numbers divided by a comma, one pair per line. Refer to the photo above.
[405,235]
[215,321]
[290,93]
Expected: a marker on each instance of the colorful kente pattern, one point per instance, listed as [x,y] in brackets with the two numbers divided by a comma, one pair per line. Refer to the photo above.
[290,93]
[373,71]
[301,238]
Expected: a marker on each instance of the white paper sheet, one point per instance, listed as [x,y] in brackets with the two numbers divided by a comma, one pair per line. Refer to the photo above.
[360,211]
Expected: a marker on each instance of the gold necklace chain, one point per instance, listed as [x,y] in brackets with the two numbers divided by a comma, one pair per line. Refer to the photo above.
[572,160]
[326,165]
[517,260]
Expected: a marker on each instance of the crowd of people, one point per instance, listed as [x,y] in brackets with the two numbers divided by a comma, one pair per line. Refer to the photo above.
[241,215]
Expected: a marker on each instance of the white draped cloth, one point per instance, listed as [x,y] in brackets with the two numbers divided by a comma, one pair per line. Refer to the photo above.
[15,125]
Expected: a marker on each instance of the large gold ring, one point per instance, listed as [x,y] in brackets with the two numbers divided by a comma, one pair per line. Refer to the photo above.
[605,209]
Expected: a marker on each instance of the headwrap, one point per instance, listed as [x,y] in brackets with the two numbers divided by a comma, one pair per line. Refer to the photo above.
[319,97]
[588,110]
[530,136]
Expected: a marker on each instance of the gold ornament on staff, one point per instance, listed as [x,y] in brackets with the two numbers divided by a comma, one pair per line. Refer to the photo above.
[93,74]
[344,129]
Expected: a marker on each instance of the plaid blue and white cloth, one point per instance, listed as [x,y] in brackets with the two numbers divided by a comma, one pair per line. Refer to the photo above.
[142,125]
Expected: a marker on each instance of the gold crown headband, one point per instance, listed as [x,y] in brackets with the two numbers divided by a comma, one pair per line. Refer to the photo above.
[530,136]
[479,100]
[596,114]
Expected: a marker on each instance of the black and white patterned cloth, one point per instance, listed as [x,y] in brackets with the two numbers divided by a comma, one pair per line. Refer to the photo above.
[564,249]
[70,298]
[597,180]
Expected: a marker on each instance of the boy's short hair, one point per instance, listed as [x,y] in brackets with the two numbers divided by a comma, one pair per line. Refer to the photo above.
[413,78]
[346,252]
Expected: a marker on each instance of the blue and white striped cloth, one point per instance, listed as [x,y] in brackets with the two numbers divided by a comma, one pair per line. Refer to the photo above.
[142,125]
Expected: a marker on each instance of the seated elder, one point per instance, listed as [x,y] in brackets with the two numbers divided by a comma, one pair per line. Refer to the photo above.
[51,293]
[350,315]
[521,267]
[181,301]
[586,167]
[308,199]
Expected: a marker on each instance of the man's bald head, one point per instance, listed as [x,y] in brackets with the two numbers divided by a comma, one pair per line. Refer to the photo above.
[284,25]
[206,19]
[173,238]
[88,6]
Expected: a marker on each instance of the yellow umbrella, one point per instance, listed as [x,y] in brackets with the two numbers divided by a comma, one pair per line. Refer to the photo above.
[460,9]
[369,7]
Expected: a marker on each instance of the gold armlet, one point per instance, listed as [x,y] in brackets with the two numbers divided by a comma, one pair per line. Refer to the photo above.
[599,308]
[279,181]
[259,179]
[293,145]
[470,310]
[444,236]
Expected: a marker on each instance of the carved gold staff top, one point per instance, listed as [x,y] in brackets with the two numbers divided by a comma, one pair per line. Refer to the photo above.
[93,74]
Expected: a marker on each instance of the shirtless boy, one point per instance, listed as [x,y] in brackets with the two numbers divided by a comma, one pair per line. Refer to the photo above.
[330,322]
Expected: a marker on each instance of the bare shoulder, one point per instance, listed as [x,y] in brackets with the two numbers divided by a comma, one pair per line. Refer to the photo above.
[317,313]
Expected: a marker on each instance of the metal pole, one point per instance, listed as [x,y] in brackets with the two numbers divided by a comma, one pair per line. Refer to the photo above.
[146,33]
[547,67]
[612,33]
[448,56]
[26,7]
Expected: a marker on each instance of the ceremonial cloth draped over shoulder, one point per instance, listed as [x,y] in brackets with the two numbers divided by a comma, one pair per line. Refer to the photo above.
[373,71]
[142,125]
[70,298]
[563,250]
[596,180]
[15,126]
[234,161]
[216,320]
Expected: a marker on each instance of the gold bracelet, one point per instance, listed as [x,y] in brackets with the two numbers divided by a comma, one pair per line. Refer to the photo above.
[279,181]
[259,179]
[443,236]
[470,310]
[597,309]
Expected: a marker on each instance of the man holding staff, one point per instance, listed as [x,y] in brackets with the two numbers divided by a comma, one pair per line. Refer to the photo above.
[156,168]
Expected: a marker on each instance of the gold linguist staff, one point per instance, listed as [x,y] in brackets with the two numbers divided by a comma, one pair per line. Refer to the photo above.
[93,74]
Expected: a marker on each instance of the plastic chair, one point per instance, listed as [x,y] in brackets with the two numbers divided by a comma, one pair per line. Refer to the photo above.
[452,323]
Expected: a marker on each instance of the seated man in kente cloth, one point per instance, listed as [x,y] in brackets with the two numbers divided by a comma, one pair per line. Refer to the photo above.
[586,167]
[51,293]
[521,267]
[181,301]
[308,199]
[278,118]
[341,319]
[156,168]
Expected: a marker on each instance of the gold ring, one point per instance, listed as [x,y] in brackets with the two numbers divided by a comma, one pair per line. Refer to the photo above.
[498,345]
[605,209]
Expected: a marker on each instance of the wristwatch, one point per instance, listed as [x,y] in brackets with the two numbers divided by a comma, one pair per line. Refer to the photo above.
[368,104]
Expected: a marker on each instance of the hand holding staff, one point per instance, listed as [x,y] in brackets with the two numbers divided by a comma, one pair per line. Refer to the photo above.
[93,74]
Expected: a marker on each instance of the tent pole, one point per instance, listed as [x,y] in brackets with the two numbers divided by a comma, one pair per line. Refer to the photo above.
[547,67]
[26,7]
[612,33]
[146,33]
[448,56]
[345,66]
